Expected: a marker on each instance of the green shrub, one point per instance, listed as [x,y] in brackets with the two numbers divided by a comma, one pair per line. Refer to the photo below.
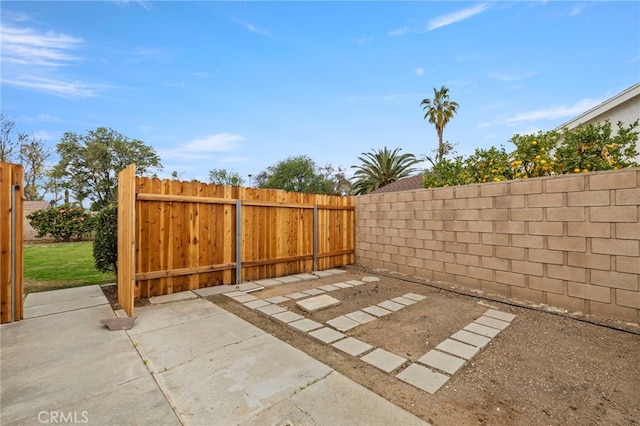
[62,223]
[105,243]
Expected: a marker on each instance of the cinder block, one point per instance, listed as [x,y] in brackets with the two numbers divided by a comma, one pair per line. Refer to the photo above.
[627,264]
[510,202]
[527,241]
[588,260]
[545,228]
[527,268]
[453,247]
[630,231]
[455,269]
[466,259]
[589,229]
[626,197]
[546,256]
[590,292]
[614,214]
[613,180]
[480,226]
[545,200]
[454,225]
[510,227]
[495,263]
[614,311]
[567,243]
[530,186]
[510,252]
[589,198]
[444,235]
[495,239]
[481,273]
[455,204]
[616,247]
[569,273]
[527,214]
[494,214]
[466,191]
[480,203]
[528,294]
[510,278]
[494,189]
[545,284]
[567,302]
[628,298]
[615,279]
[565,184]
[468,237]
[566,214]
[467,214]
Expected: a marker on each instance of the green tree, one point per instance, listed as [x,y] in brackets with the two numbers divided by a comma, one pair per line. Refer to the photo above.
[225,177]
[381,167]
[89,164]
[439,112]
[8,144]
[296,174]
[33,157]
[105,243]
[62,223]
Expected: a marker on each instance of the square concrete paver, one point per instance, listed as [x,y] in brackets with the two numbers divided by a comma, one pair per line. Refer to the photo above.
[271,309]
[376,310]
[471,338]
[370,279]
[352,346]
[327,335]
[482,330]
[277,299]
[458,349]
[268,282]
[328,287]
[342,323]
[313,291]
[244,298]
[413,296]
[361,317]
[403,301]
[492,322]
[287,317]
[313,304]
[354,282]
[323,274]
[234,293]
[306,277]
[305,325]
[391,306]
[336,271]
[423,378]
[343,285]
[385,361]
[256,304]
[296,295]
[499,315]
[441,361]
[289,279]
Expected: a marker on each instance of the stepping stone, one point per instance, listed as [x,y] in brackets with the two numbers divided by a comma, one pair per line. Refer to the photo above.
[471,338]
[370,279]
[336,271]
[256,304]
[245,298]
[423,378]
[416,297]
[327,335]
[322,274]
[458,349]
[492,322]
[391,306]
[287,317]
[482,330]
[342,323]
[403,301]
[385,361]
[328,287]
[354,282]
[271,309]
[124,323]
[312,291]
[306,277]
[441,361]
[360,316]
[377,311]
[277,299]
[235,293]
[296,295]
[343,285]
[288,279]
[305,325]
[352,346]
[499,315]
[268,283]
[223,289]
[314,304]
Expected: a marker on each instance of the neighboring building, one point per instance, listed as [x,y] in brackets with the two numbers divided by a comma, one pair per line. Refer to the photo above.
[624,106]
[28,207]
[404,184]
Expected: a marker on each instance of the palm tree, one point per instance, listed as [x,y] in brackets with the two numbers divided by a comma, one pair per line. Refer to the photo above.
[381,167]
[439,111]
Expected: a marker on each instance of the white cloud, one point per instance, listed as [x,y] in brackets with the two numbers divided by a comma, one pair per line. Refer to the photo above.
[399,31]
[419,71]
[26,46]
[64,89]
[451,18]
[555,112]
[214,143]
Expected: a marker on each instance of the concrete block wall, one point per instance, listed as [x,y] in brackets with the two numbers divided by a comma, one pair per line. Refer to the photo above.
[567,241]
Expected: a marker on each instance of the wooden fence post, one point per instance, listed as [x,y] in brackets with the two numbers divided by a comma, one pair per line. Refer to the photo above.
[126,238]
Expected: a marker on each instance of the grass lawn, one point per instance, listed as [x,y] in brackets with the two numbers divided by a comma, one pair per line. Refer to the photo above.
[50,266]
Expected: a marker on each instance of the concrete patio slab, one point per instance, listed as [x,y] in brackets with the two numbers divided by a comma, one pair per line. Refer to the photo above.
[361,317]
[504,316]
[174,297]
[352,346]
[305,325]
[64,300]
[423,378]
[482,330]
[492,322]
[459,349]
[390,305]
[376,311]
[342,323]
[244,298]
[384,360]
[326,335]
[287,317]
[441,361]
[271,309]
[316,303]
[473,339]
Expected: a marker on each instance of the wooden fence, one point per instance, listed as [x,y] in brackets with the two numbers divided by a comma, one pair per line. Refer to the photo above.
[11,224]
[190,235]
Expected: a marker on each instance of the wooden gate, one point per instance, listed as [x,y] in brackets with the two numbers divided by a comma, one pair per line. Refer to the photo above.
[11,226]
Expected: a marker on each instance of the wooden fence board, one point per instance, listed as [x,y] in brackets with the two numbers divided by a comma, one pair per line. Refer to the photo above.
[127,238]
[11,176]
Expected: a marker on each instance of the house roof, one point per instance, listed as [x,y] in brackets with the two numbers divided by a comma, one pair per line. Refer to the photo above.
[404,184]
[603,108]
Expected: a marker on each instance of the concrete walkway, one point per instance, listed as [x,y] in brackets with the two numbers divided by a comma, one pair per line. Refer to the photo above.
[185,362]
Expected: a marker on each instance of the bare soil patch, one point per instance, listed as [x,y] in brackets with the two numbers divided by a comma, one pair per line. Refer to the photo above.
[543,369]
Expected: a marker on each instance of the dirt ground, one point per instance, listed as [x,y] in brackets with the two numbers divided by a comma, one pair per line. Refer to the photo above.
[546,368]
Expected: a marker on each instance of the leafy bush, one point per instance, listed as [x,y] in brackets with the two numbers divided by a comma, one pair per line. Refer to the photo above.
[105,243]
[62,223]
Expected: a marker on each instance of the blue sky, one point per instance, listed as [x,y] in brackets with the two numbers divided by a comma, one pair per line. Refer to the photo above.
[243,85]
